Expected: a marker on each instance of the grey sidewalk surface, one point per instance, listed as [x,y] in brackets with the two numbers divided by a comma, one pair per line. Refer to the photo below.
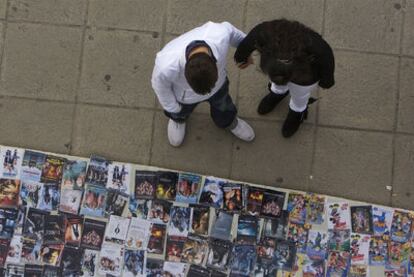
[75,79]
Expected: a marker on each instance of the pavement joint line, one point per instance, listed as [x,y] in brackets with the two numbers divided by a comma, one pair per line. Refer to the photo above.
[344,49]
[114,29]
[54,24]
[3,37]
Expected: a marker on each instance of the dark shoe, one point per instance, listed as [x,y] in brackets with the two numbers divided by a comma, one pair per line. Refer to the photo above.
[293,121]
[270,101]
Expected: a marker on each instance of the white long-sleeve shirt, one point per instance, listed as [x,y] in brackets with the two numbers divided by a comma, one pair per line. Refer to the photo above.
[168,80]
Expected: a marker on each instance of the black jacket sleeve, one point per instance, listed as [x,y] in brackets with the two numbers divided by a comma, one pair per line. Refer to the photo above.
[324,59]
[247,45]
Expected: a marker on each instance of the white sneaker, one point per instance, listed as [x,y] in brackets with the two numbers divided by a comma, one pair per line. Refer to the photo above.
[176,133]
[243,130]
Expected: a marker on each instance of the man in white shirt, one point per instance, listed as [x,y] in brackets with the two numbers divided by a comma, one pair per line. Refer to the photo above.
[191,69]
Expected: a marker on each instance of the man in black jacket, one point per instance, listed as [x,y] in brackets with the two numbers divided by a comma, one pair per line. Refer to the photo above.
[296,59]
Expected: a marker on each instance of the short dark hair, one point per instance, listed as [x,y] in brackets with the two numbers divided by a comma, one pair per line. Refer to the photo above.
[201,73]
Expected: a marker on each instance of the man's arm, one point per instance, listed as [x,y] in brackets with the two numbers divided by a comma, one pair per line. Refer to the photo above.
[247,45]
[325,60]
[236,36]
[163,89]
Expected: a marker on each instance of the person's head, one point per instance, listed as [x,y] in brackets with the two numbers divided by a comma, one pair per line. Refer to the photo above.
[201,72]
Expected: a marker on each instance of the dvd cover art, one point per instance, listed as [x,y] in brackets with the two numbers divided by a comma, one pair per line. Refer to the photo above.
[254,201]
[54,229]
[233,197]
[247,229]
[360,249]
[200,218]
[272,204]
[74,174]
[401,272]
[4,248]
[166,186]
[298,233]
[32,165]
[222,227]
[264,252]
[73,230]
[174,269]
[398,254]
[145,184]
[94,201]
[33,270]
[119,177]
[338,264]
[8,222]
[297,207]
[401,226]
[243,259]
[198,271]
[219,254]
[70,201]
[212,192]
[313,268]
[139,207]
[15,250]
[378,251]
[138,234]
[34,225]
[284,255]
[89,262]
[358,271]
[117,229]
[339,216]
[71,262]
[50,271]
[411,260]
[194,250]
[93,234]
[361,219]
[188,188]
[52,169]
[97,172]
[160,211]
[9,192]
[276,227]
[339,240]
[315,209]
[134,263]
[317,245]
[115,203]
[12,162]
[31,251]
[110,259]
[175,247]
[21,218]
[50,254]
[179,224]
[49,196]
[157,238]
[29,193]
[154,267]
[381,221]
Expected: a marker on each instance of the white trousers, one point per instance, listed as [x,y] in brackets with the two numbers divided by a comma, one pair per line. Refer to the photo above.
[299,95]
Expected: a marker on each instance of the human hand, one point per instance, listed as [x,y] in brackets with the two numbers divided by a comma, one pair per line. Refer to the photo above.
[243,65]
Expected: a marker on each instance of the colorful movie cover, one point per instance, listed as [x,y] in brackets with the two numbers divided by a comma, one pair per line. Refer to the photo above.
[166,187]
[9,192]
[401,272]
[188,188]
[360,249]
[277,227]
[315,209]
[401,226]
[52,169]
[179,224]
[198,271]
[212,193]
[33,270]
[382,220]
[74,174]
[89,262]
[154,267]
[219,254]
[145,184]
[339,216]
[110,259]
[70,201]
[32,165]
[378,251]
[411,260]
[339,240]
[50,254]
[284,255]
[298,233]
[15,250]
[297,207]
[29,193]
[222,227]
[358,271]
[134,263]
[194,250]
[93,234]
[97,172]
[21,217]
[4,249]
[54,229]
[243,259]
[73,230]
[264,253]
[117,229]
[34,225]
[174,269]
[254,201]
[12,162]
[49,197]
[94,201]
[200,218]
[8,222]
[247,229]
[71,262]
[272,204]
[233,197]
[31,251]
[317,245]
[398,254]
[313,268]
[115,203]
[139,207]
[160,211]
[361,219]
[338,264]
[138,234]
[119,177]
[157,238]
[174,248]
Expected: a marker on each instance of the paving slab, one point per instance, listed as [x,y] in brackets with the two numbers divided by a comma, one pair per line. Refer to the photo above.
[365,92]
[206,148]
[115,133]
[274,160]
[35,124]
[51,11]
[408,39]
[41,61]
[117,68]
[141,15]
[353,164]
[406,101]
[184,15]
[370,25]
[3,8]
